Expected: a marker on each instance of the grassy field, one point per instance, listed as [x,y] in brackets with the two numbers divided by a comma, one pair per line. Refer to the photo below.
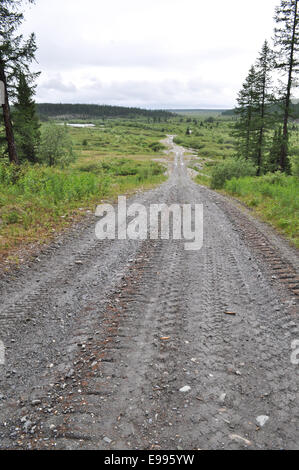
[117,138]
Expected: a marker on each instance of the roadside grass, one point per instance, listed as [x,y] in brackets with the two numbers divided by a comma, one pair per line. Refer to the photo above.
[275,198]
[42,201]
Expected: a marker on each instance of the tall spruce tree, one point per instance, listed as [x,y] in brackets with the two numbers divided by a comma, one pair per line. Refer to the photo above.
[248,108]
[15,56]
[26,122]
[264,96]
[286,42]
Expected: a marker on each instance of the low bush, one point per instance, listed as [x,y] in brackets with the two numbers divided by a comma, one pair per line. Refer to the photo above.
[231,168]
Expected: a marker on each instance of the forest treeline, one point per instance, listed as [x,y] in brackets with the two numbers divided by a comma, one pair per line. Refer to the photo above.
[92,111]
[273,108]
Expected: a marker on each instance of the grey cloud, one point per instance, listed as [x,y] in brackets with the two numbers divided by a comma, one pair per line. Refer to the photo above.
[77,53]
[147,39]
[56,84]
[166,93]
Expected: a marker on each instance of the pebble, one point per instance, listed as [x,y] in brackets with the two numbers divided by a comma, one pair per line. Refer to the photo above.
[262,420]
[27,426]
[185,389]
[36,402]
[107,440]
[70,374]
[222,397]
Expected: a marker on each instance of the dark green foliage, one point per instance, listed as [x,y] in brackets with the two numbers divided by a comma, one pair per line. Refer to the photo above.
[90,111]
[263,118]
[233,168]
[229,112]
[15,55]
[257,109]
[26,123]
[275,108]
[248,107]
[56,148]
[210,120]
[273,162]
[255,118]
[157,147]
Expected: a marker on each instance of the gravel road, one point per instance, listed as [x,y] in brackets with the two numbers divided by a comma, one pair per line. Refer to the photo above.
[129,344]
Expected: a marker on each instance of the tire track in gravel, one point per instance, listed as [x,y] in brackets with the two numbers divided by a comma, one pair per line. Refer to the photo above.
[102,336]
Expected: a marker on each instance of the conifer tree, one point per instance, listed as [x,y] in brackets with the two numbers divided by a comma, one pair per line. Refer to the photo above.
[265,99]
[286,42]
[15,56]
[248,107]
[26,123]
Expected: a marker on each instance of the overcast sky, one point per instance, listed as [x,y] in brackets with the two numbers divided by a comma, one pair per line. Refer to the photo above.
[148,53]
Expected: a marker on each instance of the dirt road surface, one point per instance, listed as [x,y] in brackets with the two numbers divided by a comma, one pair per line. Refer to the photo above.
[130,344]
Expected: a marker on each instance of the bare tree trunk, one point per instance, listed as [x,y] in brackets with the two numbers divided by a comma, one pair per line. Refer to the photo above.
[262,130]
[248,135]
[12,151]
[285,138]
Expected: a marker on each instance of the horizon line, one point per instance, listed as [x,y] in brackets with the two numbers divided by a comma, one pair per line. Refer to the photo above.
[214,108]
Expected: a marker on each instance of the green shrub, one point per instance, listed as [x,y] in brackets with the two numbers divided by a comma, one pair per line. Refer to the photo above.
[157,147]
[295,165]
[56,147]
[12,218]
[8,173]
[277,178]
[229,169]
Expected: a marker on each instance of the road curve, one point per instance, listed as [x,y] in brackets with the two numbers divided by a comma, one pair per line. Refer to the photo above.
[130,344]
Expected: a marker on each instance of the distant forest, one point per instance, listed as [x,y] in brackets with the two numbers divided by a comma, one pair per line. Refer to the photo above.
[92,111]
[276,108]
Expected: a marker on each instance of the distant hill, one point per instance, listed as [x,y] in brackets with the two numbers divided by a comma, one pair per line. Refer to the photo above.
[275,109]
[92,111]
[197,112]
[229,112]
